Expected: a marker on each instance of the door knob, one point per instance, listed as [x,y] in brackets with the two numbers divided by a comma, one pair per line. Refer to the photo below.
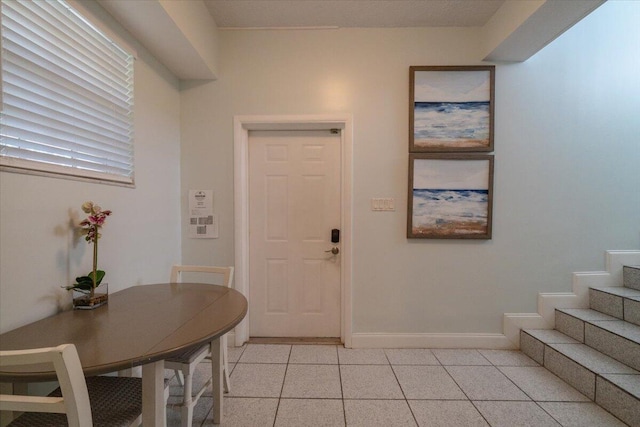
[334,250]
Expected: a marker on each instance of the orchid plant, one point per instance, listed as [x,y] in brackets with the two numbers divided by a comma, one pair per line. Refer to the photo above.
[90,228]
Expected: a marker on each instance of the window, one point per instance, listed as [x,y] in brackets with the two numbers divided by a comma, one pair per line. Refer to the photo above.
[67,95]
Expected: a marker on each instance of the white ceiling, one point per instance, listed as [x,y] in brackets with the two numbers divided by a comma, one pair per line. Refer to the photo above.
[351,13]
[182,33]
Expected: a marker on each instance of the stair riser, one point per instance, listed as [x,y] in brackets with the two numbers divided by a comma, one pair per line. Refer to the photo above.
[604,341]
[615,305]
[632,311]
[614,399]
[618,402]
[570,326]
[532,347]
[613,345]
[571,372]
[631,277]
[579,377]
[606,303]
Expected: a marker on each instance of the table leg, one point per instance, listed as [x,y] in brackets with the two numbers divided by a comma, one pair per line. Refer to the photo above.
[216,377]
[153,405]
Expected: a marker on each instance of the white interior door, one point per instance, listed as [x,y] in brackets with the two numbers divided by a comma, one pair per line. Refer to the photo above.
[294,203]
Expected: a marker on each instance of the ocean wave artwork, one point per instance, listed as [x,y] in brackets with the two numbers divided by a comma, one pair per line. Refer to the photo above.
[457,124]
[450,212]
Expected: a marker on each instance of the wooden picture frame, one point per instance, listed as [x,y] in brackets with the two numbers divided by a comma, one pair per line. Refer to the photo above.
[450,196]
[451,108]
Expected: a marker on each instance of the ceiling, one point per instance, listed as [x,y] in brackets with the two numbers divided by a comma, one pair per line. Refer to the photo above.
[351,13]
[183,34]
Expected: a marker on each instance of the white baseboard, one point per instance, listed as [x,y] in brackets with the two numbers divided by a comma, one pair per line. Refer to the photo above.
[433,340]
[579,298]
[402,340]
[512,322]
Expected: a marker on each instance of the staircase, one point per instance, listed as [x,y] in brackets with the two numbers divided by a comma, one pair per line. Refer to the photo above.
[597,350]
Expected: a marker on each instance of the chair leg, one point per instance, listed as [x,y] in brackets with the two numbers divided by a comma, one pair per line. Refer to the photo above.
[186,413]
[179,378]
[20,389]
[225,365]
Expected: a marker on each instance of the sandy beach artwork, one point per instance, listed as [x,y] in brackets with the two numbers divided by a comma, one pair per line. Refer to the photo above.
[450,196]
[451,109]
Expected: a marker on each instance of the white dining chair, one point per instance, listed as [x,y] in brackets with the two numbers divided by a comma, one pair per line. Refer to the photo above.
[185,364]
[78,402]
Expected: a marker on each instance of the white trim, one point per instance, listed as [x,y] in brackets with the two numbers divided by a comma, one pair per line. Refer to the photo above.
[325,27]
[8,165]
[434,340]
[241,127]
[579,298]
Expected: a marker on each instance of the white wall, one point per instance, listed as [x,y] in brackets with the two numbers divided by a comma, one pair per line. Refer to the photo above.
[140,240]
[566,174]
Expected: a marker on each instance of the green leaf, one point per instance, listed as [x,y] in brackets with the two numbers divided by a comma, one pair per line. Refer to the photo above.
[99,275]
[85,283]
[84,286]
[84,279]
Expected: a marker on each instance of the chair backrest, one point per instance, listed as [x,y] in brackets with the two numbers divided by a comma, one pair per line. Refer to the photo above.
[66,363]
[225,272]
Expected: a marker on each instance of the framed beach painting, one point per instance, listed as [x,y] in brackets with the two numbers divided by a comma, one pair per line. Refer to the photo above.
[451,108]
[450,196]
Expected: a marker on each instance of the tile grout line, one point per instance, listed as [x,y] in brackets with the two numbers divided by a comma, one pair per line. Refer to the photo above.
[406,401]
[284,378]
[536,402]
[461,389]
[344,409]
[497,365]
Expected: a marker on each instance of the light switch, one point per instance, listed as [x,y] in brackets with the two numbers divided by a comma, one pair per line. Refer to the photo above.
[383,204]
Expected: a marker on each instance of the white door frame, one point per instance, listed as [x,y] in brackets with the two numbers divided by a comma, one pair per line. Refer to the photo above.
[241,127]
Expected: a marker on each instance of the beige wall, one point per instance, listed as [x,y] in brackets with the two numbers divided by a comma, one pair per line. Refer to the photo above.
[140,240]
[566,174]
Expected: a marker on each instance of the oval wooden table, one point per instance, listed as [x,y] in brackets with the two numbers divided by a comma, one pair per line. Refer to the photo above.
[141,325]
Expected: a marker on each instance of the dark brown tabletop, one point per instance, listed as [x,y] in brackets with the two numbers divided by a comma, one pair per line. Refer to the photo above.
[139,325]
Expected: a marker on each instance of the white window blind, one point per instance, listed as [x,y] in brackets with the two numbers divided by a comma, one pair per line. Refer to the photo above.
[67,94]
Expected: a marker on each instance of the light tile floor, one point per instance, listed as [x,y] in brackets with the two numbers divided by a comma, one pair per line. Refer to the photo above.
[279,385]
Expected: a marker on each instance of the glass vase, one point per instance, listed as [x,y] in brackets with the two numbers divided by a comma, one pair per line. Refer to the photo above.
[84,301]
